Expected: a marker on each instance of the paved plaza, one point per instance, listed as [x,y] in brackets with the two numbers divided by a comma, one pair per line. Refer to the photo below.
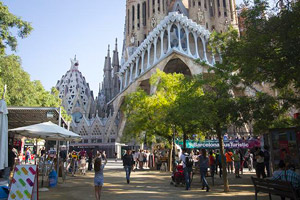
[146,185]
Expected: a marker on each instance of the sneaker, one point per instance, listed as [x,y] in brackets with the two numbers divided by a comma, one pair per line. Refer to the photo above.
[207,189]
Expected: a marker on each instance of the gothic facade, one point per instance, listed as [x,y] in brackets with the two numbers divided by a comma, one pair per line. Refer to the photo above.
[159,34]
[91,116]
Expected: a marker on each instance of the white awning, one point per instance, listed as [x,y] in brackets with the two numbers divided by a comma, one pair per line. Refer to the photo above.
[47,131]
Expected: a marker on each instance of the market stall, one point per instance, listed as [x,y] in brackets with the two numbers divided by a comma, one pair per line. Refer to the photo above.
[47,131]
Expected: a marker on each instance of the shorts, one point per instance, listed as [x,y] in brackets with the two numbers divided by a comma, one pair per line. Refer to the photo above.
[98,181]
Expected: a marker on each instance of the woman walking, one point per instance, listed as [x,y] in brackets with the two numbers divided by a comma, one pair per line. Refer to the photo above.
[99,179]
[203,161]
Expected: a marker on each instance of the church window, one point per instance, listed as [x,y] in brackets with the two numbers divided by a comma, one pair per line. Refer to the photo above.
[133,10]
[211,8]
[194,3]
[163,4]
[225,14]
[148,9]
[199,3]
[158,6]
[128,17]
[218,2]
[206,25]
[205,5]
[144,14]
[224,3]
[153,6]
[138,16]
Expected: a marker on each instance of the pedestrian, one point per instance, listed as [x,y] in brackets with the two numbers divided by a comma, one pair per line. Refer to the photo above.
[27,155]
[83,165]
[99,178]
[229,161]
[127,163]
[237,163]
[287,174]
[260,165]
[141,159]
[203,162]
[212,164]
[267,160]
[116,156]
[147,155]
[187,164]
[135,162]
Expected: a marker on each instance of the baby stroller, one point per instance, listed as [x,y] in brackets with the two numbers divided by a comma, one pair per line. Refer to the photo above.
[178,176]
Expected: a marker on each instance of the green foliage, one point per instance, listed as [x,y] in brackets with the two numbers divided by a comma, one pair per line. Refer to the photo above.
[150,114]
[21,91]
[268,51]
[7,22]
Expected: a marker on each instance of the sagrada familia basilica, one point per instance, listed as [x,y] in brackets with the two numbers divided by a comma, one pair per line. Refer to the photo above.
[159,34]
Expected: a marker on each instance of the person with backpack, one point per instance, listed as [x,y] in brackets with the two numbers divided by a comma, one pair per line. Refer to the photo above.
[99,178]
[203,162]
[187,167]
[128,163]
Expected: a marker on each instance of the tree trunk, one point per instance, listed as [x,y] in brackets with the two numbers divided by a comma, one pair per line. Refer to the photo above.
[170,164]
[225,178]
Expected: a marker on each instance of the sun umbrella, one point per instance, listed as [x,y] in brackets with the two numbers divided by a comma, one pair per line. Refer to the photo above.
[3,135]
[47,131]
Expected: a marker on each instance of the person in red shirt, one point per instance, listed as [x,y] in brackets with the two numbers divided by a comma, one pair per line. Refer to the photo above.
[212,163]
[229,161]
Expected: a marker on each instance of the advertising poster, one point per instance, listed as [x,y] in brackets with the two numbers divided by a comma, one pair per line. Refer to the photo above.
[24,183]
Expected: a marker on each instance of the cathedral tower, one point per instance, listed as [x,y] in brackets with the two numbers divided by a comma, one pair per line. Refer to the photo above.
[213,14]
[107,79]
[116,68]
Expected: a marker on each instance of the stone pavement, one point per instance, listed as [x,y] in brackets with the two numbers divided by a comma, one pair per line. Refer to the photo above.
[146,185]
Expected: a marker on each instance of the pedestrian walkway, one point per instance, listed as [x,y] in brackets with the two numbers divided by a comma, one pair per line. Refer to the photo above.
[147,185]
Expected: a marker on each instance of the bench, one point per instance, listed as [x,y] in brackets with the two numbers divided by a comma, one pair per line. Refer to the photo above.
[274,187]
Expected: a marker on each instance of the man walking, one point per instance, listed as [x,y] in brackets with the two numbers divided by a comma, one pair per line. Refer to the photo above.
[187,167]
[128,163]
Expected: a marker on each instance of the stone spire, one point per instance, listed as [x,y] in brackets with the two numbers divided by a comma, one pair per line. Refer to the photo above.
[74,63]
[107,63]
[116,69]
[107,80]
[115,61]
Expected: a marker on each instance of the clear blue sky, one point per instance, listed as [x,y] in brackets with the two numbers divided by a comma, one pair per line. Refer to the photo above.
[63,28]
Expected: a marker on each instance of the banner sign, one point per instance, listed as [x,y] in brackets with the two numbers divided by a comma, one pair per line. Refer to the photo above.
[24,183]
[214,144]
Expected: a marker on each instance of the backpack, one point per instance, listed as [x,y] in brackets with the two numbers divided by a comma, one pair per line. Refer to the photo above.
[188,161]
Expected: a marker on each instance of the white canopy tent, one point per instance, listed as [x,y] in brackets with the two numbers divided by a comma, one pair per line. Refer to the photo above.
[47,131]
[3,135]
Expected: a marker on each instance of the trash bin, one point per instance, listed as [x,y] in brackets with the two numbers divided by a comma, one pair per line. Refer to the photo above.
[52,178]
[4,190]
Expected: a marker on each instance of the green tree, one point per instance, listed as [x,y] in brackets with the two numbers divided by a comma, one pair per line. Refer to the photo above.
[267,52]
[9,21]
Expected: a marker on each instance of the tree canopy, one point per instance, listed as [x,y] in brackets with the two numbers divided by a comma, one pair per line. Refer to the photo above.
[9,21]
